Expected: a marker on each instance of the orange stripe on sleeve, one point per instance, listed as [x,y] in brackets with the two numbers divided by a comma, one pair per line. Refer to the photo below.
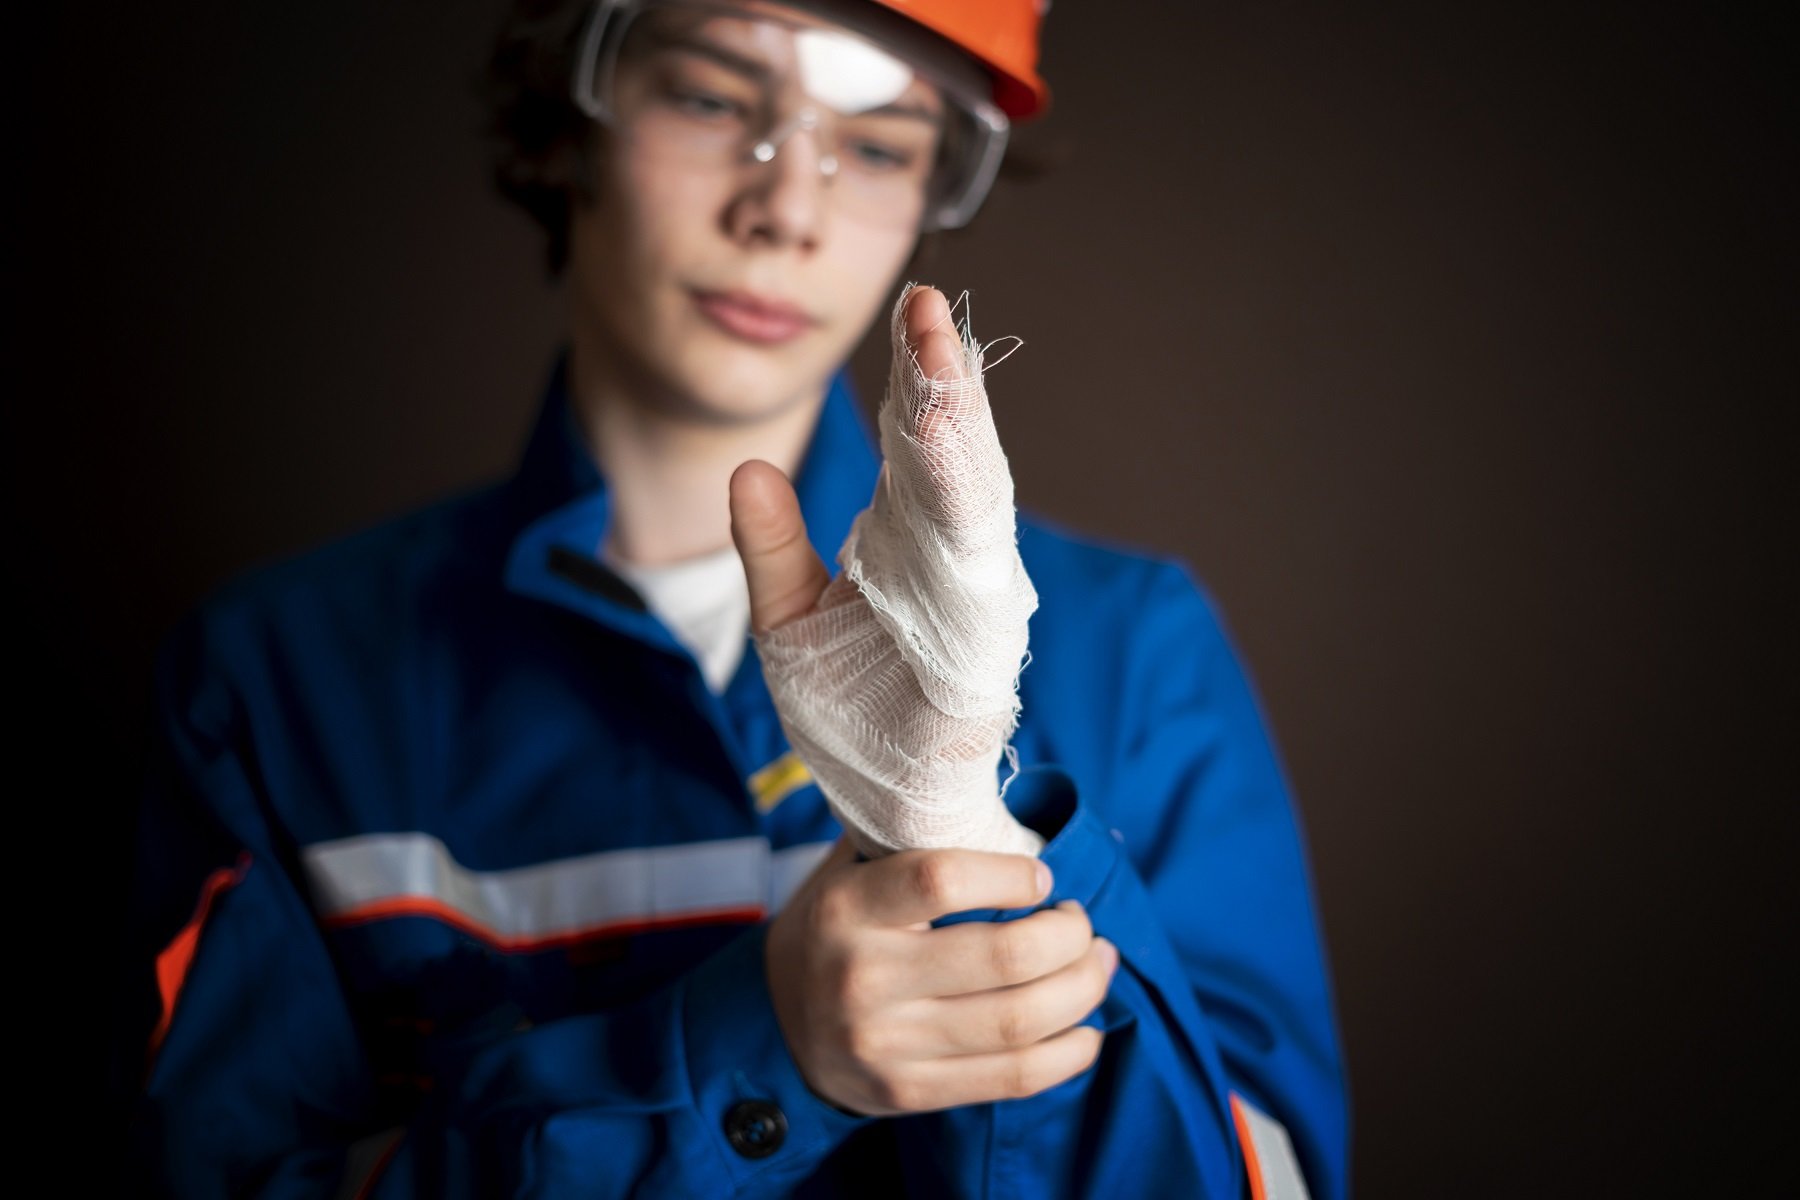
[437,910]
[173,963]
[367,1188]
[1241,1119]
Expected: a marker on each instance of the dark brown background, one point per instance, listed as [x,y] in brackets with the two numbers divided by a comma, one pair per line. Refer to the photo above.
[1446,343]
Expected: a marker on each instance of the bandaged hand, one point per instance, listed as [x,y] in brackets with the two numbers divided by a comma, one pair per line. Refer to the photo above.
[897,682]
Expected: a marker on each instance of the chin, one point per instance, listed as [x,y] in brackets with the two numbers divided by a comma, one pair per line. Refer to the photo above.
[737,383]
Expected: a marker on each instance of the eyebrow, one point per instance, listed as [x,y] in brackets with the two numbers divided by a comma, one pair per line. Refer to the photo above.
[695,44]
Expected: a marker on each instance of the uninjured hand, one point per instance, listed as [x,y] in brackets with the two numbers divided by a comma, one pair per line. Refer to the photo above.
[886,1015]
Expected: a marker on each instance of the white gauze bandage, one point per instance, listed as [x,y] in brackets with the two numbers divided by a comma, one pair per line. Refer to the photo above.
[900,690]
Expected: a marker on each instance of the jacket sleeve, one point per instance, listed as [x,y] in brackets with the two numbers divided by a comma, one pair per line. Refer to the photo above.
[257,1083]
[1219,1020]
[690,1092]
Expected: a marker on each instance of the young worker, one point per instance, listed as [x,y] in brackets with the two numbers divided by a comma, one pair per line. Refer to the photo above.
[483,855]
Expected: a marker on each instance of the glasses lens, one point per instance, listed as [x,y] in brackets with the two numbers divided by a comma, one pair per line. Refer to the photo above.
[718,88]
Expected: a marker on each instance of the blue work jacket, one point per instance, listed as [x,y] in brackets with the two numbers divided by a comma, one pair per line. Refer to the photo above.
[453,880]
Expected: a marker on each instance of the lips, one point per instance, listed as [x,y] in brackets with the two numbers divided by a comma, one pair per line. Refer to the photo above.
[753,318]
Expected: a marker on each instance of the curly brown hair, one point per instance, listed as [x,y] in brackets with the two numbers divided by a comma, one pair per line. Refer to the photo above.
[542,143]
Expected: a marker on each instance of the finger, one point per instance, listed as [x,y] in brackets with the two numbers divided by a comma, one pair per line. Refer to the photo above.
[931,334]
[1012,1018]
[783,571]
[979,956]
[931,1084]
[922,885]
[933,340]
[963,483]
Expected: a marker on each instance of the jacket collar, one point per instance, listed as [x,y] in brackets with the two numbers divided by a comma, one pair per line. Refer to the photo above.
[564,505]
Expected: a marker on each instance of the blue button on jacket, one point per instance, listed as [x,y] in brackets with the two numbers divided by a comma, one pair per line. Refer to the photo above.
[454,877]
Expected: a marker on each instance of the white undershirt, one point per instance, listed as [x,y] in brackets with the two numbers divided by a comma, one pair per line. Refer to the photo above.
[705,603]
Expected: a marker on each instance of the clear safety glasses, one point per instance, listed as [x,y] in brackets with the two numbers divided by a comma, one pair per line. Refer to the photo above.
[729,87]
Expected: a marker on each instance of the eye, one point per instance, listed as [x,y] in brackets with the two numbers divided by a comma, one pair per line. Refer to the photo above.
[875,156]
[701,104]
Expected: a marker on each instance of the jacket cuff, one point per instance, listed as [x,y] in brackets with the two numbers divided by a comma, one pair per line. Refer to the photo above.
[754,1107]
[1081,851]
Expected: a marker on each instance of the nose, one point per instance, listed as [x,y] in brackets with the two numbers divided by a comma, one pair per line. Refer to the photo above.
[781,194]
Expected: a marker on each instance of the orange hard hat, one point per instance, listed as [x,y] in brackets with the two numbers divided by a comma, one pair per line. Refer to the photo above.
[1001,34]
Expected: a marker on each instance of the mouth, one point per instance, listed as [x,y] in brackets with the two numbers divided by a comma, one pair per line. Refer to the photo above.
[760,319]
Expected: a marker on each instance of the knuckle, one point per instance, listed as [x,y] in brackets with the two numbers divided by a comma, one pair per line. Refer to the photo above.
[1010,951]
[892,1092]
[1014,1026]
[868,1043]
[837,1044]
[831,910]
[833,1037]
[937,878]
[1020,1078]
[858,986]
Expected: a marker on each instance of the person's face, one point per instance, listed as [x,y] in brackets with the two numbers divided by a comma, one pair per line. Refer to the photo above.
[676,263]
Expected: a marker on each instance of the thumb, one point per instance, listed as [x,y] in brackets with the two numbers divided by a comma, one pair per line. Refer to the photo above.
[783,570]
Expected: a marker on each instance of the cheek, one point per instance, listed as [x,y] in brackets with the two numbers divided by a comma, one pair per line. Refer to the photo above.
[662,212]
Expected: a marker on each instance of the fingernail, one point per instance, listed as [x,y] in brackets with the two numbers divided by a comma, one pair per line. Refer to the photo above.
[1043,880]
[1109,954]
[1069,905]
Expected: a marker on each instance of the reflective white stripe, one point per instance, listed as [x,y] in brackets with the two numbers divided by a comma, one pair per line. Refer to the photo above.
[362,875]
[1268,1154]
